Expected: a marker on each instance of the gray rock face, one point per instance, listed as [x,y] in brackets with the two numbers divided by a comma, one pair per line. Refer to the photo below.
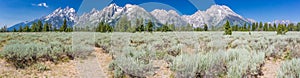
[170,17]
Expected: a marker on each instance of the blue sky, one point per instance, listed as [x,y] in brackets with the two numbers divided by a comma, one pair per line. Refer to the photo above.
[15,11]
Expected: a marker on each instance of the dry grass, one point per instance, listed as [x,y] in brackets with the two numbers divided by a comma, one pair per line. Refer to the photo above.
[61,70]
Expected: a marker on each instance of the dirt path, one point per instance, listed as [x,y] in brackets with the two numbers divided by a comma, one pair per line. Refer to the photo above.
[90,68]
[270,68]
[95,66]
[163,71]
[104,59]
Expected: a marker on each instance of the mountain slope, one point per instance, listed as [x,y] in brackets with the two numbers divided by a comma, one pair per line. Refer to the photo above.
[113,13]
[216,15]
[170,17]
[55,18]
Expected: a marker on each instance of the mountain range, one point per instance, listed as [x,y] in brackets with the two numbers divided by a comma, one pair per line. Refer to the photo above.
[215,16]
[55,18]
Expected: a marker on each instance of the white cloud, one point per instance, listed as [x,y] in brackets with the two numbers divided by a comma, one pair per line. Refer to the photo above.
[41,5]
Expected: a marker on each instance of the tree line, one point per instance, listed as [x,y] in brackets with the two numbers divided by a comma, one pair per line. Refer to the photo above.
[266,27]
[39,26]
[279,28]
[124,25]
[139,25]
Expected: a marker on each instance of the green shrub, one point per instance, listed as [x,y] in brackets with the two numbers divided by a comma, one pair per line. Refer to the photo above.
[242,63]
[227,28]
[135,63]
[198,65]
[23,55]
[289,69]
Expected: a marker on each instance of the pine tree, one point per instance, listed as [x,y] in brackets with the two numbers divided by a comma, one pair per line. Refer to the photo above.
[249,27]
[26,28]
[253,27]
[227,28]
[265,27]
[108,28]
[15,30]
[69,29]
[291,27]
[285,29]
[260,26]
[140,28]
[39,26]
[198,29]
[33,27]
[298,26]
[235,28]
[149,26]
[257,27]
[271,27]
[50,27]
[46,27]
[63,28]
[100,27]
[5,29]
[205,27]
[244,27]
[165,28]
[20,29]
[123,24]
[279,29]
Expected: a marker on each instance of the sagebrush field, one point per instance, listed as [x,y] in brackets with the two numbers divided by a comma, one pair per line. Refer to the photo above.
[159,54]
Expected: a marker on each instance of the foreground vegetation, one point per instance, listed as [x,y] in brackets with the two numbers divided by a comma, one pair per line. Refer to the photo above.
[26,49]
[188,54]
[194,54]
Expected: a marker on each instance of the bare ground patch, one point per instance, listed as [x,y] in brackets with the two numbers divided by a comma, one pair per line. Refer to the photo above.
[270,68]
[104,59]
[61,70]
[163,71]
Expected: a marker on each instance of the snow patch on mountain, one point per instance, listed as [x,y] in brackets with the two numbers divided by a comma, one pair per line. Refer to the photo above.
[56,18]
[216,15]
[113,13]
[281,22]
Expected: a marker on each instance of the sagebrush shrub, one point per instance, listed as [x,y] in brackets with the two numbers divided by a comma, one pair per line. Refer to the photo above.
[133,62]
[22,55]
[198,65]
[242,63]
[27,49]
[289,69]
